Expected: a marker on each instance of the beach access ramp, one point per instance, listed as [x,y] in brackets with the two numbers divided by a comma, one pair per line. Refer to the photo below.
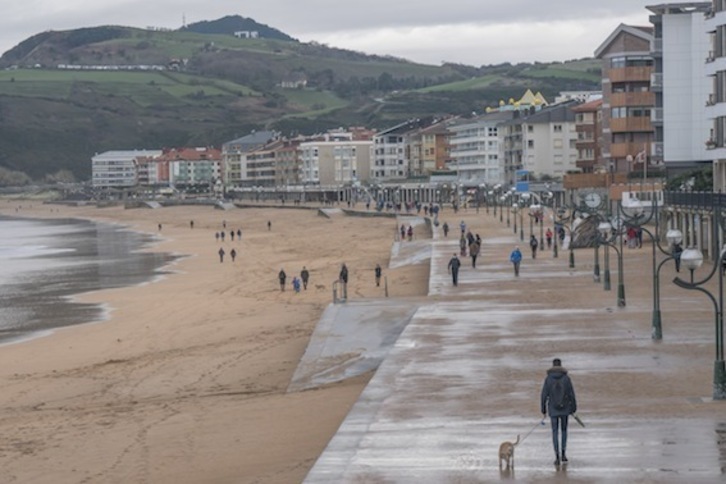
[330,212]
[224,206]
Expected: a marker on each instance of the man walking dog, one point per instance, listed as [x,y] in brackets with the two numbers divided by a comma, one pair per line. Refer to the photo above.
[558,400]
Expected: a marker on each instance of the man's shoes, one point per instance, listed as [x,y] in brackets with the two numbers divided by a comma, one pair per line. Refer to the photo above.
[564,459]
[557,462]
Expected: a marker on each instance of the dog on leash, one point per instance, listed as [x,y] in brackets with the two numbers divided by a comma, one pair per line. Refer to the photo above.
[506,453]
[320,287]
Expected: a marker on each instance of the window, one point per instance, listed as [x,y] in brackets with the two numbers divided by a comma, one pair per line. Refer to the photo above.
[530,143]
[557,128]
[530,128]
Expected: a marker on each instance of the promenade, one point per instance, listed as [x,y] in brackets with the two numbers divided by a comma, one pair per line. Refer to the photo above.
[465,374]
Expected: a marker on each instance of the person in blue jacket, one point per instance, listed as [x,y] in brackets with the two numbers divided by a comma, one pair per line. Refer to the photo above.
[516,258]
[559,402]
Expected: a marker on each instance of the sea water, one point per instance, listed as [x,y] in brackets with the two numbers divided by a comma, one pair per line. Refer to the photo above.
[44,263]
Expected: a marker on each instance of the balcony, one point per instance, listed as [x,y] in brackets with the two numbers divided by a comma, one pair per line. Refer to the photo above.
[624,125]
[629,74]
[656,115]
[622,150]
[656,81]
[618,99]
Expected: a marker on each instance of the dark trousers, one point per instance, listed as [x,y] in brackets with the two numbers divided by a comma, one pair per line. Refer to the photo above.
[455,276]
[559,423]
[473,261]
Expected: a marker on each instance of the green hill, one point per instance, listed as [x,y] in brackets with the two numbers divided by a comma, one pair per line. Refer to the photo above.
[67,95]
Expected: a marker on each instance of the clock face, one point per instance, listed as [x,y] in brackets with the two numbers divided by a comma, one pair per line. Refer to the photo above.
[592,200]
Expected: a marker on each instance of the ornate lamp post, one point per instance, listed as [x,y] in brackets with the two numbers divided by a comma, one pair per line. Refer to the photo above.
[692,259]
[605,229]
[515,209]
[565,217]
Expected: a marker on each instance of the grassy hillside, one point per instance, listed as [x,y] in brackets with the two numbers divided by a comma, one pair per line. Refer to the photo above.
[52,119]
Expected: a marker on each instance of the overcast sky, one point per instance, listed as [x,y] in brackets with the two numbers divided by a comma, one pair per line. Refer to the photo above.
[474,32]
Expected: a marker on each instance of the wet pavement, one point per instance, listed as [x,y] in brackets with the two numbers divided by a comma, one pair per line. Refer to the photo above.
[465,375]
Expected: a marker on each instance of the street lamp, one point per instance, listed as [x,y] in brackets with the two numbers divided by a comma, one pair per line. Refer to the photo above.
[691,259]
[515,209]
[564,221]
[604,229]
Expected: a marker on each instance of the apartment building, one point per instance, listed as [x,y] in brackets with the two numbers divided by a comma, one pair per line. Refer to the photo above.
[627,66]
[392,148]
[335,158]
[117,169]
[474,148]
[184,167]
[588,126]
[234,156]
[716,110]
[542,142]
[428,148]
[681,85]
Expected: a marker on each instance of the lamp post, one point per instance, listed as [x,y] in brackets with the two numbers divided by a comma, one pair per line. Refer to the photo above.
[515,209]
[606,239]
[565,219]
[692,259]
[506,202]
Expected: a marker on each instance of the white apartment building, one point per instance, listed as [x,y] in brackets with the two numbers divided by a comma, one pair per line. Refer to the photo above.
[716,110]
[117,169]
[681,52]
[543,142]
[335,159]
[475,149]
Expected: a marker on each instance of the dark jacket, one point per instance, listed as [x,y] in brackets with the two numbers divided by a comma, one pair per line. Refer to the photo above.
[454,264]
[553,374]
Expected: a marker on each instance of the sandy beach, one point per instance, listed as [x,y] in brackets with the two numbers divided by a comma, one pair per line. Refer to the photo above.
[186,381]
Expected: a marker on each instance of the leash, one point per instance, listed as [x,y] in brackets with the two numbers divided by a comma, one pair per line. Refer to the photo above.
[541,422]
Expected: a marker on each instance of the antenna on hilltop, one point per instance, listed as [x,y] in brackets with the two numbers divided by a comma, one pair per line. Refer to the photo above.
[184,20]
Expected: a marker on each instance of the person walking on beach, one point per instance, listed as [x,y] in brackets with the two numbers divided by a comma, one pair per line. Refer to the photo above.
[343,278]
[378,272]
[239,235]
[282,277]
[221,254]
[454,264]
[516,258]
[558,401]
[233,254]
[296,284]
[269,225]
[191,224]
[446,229]
[533,244]
[305,275]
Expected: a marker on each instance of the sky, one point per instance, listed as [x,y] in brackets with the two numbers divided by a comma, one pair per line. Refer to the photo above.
[472,32]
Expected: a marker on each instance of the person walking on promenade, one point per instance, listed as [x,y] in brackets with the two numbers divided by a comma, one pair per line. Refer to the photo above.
[462,226]
[677,251]
[282,276]
[403,232]
[548,236]
[410,233]
[446,229]
[516,258]
[233,254]
[221,254]
[305,276]
[454,264]
[474,248]
[558,401]
[378,272]
[462,245]
[533,244]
